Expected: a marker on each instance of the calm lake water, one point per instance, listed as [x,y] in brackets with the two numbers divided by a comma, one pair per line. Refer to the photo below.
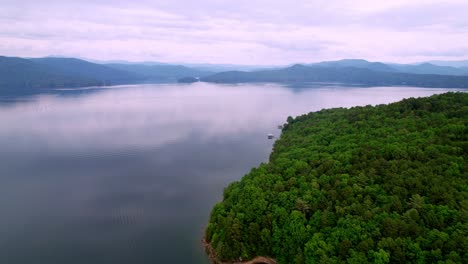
[129,174]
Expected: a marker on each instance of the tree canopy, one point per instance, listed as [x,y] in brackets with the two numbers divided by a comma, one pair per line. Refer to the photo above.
[373,184]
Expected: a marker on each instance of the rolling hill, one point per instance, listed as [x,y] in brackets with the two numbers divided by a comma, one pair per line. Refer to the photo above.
[159,73]
[345,75]
[423,68]
[19,75]
[83,69]
[428,68]
[26,76]
[357,63]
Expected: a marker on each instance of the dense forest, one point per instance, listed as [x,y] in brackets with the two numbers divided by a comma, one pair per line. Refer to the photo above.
[373,184]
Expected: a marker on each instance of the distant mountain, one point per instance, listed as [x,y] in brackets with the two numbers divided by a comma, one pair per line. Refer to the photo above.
[215,68]
[128,62]
[160,73]
[424,68]
[203,67]
[346,75]
[19,75]
[457,64]
[428,68]
[357,63]
[24,76]
[84,69]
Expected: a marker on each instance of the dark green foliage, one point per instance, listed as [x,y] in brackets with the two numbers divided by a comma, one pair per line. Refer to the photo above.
[384,184]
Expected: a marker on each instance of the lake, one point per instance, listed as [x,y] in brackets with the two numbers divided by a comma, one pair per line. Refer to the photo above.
[129,174]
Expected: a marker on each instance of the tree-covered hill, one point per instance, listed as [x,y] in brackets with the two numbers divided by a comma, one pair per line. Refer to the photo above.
[160,73]
[84,69]
[345,75]
[422,68]
[357,63]
[383,184]
[19,75]
[428,68]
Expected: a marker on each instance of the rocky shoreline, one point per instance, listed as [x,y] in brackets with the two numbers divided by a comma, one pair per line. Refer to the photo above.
[214,258]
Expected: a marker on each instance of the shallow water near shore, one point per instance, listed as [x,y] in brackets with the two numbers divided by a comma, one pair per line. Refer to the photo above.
[129,174]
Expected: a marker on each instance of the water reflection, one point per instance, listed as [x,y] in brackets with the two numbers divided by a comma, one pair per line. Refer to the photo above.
[129,175]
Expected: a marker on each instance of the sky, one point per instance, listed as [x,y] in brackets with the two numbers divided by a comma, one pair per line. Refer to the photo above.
[248,32]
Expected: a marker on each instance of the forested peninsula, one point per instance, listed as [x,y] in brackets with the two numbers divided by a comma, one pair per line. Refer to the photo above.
[373,184]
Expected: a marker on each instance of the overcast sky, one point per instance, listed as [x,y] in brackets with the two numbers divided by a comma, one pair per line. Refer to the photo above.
[259,32]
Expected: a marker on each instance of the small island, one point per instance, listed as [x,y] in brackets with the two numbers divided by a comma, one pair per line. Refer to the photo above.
[373,184]
[188,80]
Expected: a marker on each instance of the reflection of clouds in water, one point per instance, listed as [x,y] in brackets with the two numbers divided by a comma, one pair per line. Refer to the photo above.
[147,116]
[152,115]
[134,171]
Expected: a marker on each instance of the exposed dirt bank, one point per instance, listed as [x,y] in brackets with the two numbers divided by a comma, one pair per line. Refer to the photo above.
[214,258]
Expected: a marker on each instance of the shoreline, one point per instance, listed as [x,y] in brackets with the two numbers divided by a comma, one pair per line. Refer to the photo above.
[209,250]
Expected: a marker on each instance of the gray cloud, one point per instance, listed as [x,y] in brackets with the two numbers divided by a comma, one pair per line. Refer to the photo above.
[443,16]
[256,32]
[455,53]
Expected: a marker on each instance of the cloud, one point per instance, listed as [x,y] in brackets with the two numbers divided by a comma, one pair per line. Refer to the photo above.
[245,32]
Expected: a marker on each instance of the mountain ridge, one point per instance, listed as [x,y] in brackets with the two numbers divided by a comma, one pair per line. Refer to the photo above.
[345,75]
[29,75]
[33,75]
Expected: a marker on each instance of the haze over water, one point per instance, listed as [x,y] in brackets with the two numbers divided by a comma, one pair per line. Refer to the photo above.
[129,174]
